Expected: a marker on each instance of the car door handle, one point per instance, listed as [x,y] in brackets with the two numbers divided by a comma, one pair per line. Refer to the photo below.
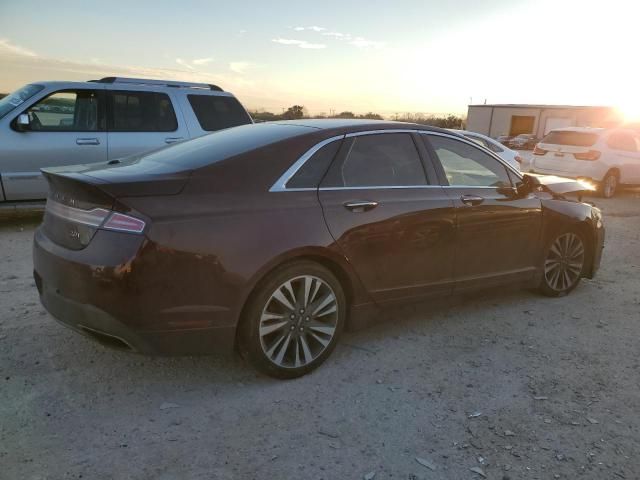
[360,206]
[173,139]
[471,200]
[87,141]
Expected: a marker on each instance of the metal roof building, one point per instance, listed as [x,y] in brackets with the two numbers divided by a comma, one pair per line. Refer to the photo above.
[513,119]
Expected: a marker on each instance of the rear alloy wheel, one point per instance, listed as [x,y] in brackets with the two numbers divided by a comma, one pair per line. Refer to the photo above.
[294,320]
[609,185]
[563,264]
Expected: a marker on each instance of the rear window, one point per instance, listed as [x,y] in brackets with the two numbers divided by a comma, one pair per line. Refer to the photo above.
[574,139]
[218,146]
[218,112]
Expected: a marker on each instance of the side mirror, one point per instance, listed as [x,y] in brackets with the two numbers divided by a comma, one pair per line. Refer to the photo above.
[527,185]
[23,122]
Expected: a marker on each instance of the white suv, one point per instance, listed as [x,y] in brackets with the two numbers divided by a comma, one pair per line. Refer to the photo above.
[49,124]
[609,158]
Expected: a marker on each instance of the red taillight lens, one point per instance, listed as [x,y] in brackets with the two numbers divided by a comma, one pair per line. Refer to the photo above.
[124,223]
[539,151]
[590,155]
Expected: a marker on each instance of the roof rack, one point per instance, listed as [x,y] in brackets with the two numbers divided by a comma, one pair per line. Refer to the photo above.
[164,83]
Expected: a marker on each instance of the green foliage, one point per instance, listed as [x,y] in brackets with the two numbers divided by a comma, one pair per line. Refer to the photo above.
[296,112]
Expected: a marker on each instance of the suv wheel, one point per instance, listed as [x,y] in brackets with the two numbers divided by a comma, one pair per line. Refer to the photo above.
[564,264]
[609,184]
[293,320]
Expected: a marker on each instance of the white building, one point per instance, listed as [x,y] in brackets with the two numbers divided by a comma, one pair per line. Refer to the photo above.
[506,119]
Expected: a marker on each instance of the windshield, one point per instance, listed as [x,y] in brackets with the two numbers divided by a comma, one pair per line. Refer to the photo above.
[15,99]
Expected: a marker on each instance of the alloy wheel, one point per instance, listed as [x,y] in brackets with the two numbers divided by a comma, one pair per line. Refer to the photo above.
[564,263]
[298,321]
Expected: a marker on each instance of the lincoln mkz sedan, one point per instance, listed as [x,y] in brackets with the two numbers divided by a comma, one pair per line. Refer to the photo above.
[272,238]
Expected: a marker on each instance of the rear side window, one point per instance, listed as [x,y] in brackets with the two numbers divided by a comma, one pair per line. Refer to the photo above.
[311,173]
[622,141]
[381,160]
[141,112]
[574,139]
[217,112]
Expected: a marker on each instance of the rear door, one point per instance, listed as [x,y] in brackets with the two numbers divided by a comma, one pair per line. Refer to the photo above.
[67,127]
[498,232]
[394,225]
[140,121]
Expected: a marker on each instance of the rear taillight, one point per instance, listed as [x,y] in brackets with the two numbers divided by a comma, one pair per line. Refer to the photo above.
[591,155]
[123,223]
[539,151]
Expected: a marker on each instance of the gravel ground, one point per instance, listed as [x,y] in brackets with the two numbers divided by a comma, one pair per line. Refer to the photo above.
[509,384]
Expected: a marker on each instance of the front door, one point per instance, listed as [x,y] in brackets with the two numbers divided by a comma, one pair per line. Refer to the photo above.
[66,128]
[392,225]
[498,232]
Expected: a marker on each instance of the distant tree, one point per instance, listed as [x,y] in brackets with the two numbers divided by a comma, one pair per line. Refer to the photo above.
[294,113]
[371,116]
[264,116]
[345,115]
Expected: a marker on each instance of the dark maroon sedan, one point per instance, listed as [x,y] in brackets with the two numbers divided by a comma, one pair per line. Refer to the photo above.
[274,237]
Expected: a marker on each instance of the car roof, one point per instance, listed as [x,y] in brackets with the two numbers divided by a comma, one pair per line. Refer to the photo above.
[355,124]
[60,84]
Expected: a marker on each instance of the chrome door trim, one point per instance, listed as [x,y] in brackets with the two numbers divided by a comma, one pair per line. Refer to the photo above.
[281,183]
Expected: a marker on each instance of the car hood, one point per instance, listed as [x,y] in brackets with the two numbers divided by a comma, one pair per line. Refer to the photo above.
[561,185]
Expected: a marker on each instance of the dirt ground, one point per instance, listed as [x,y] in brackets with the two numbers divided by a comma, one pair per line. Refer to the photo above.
[510,384]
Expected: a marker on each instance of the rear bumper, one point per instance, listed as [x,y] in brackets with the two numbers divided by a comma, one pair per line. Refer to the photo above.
[95,292]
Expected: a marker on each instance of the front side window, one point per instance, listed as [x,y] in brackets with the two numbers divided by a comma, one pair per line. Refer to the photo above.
[66,111]
[141,112]
[217,112]
[466,165]
[388,159]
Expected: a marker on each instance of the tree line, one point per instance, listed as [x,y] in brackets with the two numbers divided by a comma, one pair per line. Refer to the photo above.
[297,112]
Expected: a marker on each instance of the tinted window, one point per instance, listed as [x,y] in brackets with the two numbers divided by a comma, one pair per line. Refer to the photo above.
[389,159]
[141,112]
[568,137]
[313,170]
[622,141]
[478,140]
[217,112]
[466,165]
[66,111]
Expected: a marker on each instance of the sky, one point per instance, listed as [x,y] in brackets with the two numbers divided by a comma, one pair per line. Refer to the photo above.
[418,56]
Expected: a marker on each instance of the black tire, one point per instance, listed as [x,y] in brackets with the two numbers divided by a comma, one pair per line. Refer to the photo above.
[609,185]
[561,279]
[303,333]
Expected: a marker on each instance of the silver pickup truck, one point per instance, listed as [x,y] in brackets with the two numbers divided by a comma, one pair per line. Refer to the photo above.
[47,124]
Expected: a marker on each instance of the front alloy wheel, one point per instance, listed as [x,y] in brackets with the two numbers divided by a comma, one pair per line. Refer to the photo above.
[294,320]
[564,264]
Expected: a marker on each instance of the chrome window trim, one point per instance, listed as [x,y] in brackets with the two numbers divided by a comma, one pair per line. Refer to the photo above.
[281,183]
[378,132]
